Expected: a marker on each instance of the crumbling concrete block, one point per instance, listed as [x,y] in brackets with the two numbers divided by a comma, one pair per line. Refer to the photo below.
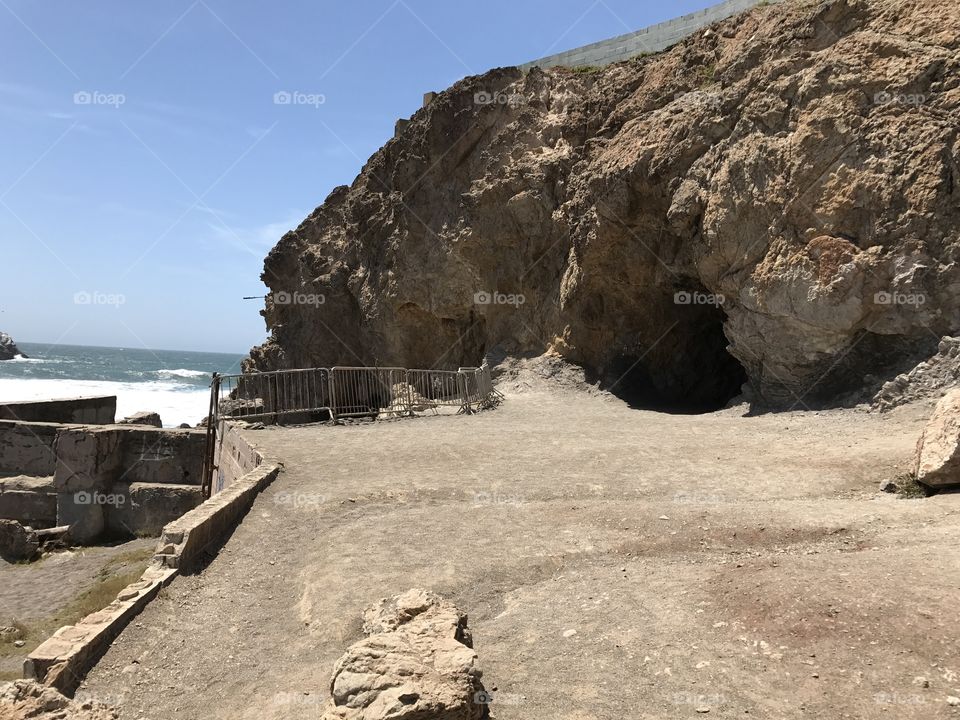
[144,508]
[88,458]
[17,542]
[29,500]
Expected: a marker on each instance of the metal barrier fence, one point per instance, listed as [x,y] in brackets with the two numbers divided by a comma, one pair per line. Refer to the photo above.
[315,394]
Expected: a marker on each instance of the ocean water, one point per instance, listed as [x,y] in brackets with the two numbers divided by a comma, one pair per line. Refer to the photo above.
[174,383]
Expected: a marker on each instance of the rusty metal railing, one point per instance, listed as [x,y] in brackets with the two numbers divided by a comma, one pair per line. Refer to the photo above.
[332,394]
[368,391]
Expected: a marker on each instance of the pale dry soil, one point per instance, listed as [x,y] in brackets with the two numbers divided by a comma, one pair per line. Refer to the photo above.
[615,563]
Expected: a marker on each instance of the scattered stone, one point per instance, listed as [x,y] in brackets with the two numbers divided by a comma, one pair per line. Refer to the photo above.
[17,542]
[19,643]
[23,699]
[416,662]
[703,709]
[144,417]
[953,700]
[929,379]
[937,462]
[569,633]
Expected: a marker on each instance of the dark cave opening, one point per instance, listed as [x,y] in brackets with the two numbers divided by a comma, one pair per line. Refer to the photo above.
[688,371]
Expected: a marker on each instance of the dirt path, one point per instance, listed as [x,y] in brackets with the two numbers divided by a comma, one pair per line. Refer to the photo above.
[745,565]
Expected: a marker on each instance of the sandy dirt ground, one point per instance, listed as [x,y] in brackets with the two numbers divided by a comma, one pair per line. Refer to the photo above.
[32,594]
[615,564]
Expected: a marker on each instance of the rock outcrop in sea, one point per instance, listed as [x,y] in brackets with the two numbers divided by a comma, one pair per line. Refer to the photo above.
[8,348]
[774,201]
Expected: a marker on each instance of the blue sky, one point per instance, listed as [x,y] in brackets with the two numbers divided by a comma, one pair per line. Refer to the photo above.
[148,170]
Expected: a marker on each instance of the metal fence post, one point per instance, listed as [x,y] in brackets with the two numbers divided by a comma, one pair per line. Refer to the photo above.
[206,481]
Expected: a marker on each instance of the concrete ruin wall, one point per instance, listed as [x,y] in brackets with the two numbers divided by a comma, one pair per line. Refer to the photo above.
[235,457]
[128,479]
[648,40]
[94,410]
[28,500]
[27,448]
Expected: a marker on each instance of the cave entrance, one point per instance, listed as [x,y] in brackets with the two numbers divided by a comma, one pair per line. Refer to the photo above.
[688,371]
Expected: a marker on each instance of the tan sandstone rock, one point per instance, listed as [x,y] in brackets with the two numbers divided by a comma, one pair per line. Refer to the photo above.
[938,450]
[29,700]
[416,663]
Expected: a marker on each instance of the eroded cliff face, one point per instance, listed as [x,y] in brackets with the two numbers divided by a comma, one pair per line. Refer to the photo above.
[774,200]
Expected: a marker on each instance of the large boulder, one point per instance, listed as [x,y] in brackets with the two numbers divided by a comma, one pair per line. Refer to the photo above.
[23,699]
[416,663]
[938,450]
[8,348]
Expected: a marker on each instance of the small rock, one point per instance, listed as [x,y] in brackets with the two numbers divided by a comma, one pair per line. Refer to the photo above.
[703,709]
[953,700]
[569,633]
[889,486]
[144,417]
[18,643]
[664,517]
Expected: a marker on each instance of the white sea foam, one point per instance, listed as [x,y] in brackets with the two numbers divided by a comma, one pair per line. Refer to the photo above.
[176,403]
[181,372]
[22,359]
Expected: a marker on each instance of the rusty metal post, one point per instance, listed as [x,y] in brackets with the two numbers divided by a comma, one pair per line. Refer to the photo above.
[206,481]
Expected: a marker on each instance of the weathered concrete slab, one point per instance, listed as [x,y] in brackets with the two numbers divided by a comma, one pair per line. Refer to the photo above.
[88,458]
[30,500]
[154,455]
[95,410]
[144,508]
[27,448]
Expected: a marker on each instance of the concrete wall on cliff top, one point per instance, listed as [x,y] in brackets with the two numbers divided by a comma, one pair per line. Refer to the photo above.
[648,40]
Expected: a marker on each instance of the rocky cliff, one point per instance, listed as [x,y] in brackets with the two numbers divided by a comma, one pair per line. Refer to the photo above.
[773,200]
